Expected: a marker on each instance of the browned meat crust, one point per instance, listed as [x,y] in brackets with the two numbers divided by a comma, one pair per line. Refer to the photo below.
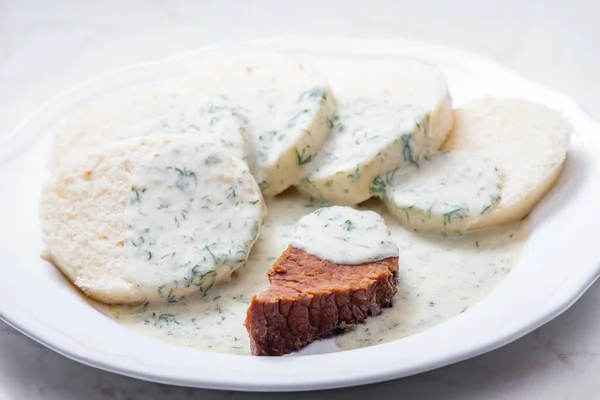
[310,297]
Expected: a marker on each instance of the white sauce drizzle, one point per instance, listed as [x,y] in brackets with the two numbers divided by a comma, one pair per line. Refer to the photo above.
[439,279]
[344,235]
[194,213]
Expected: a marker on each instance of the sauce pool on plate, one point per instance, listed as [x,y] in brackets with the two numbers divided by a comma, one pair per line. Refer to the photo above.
[439,278]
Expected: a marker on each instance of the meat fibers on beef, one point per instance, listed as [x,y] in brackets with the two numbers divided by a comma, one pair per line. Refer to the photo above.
[310,298]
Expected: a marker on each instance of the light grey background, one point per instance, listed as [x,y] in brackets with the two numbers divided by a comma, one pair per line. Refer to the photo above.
[48,46]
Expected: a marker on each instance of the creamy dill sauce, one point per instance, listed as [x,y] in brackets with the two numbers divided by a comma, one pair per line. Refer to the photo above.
[445,193]
[369,137]
[194,212]
[344,235]
[439,279]
[295,130]
[288,104]
[290,113]
[217,119]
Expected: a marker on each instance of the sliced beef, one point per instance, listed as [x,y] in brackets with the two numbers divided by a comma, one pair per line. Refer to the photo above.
[310,298]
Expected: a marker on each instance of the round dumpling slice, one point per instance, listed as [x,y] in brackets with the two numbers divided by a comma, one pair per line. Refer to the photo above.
[110,115]
[388,117]
[209,116]
[446,194]
[290,108]
[529,142]
[151,219]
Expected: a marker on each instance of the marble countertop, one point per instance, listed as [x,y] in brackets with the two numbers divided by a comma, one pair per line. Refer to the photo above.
[46,47]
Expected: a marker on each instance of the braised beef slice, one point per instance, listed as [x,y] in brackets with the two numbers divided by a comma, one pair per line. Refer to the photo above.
[310,298]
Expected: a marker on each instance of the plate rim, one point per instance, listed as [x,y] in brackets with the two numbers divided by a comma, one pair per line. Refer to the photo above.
[18,319]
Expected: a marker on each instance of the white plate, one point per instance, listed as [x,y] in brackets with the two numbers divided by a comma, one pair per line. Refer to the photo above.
[560,261]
